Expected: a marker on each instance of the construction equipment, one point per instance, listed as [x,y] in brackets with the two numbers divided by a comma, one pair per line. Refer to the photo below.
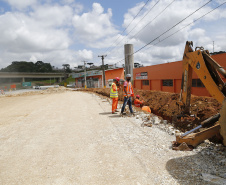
[208,72]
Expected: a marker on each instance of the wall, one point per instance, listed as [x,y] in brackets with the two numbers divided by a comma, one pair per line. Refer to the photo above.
[156,85]
[111,74]
[173,70]
[137,84]
[146,87]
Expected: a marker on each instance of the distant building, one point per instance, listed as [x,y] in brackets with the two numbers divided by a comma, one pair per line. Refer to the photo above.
[94,78]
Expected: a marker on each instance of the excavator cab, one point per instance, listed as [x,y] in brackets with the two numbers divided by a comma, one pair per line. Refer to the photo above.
[209,72]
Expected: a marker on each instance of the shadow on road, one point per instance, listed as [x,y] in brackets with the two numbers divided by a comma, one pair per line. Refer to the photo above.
[105,113]
[115,116]
[189,169]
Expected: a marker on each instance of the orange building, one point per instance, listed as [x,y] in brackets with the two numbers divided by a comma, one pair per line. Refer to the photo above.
[168,76]
[94,78]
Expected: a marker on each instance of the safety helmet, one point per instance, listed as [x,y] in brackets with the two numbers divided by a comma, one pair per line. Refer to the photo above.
[128,76]
[117,79]
[137,96]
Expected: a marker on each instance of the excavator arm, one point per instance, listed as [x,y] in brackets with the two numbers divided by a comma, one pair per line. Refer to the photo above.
[206,68]
[208,72]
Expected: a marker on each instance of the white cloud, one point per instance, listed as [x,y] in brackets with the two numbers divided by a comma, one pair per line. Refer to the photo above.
[61,32]
[94,25]
[172,48]
[20,33]
[84,55]
[21,4]
[49,15]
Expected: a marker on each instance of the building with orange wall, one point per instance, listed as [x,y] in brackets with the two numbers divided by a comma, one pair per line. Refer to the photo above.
[94,78]
[168,76]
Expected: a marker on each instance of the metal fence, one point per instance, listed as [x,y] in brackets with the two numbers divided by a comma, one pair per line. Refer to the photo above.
[90,83]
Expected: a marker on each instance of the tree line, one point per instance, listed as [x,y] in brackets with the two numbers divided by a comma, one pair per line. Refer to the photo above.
[23,66]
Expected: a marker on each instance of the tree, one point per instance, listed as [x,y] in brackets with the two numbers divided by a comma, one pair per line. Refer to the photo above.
[23,66]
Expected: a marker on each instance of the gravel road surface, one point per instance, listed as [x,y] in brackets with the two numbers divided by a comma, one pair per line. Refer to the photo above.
[72,138]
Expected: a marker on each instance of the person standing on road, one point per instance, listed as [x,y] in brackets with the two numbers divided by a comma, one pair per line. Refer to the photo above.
[114,94]
[128,93]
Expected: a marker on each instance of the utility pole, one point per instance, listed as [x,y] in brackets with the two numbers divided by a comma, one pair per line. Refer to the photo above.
[65,73]
[85,72]
[102,57]
[213,46]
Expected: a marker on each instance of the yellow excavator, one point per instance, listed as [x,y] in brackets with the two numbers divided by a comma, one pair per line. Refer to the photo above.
[209,72]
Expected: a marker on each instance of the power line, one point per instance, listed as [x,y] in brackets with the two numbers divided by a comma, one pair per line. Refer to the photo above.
[128,24]
[187,25]
[153,19]
[135,25]
[171,28]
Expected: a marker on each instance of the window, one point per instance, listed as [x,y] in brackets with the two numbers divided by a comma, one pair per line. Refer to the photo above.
[197,83]
[145,82]
[167,83]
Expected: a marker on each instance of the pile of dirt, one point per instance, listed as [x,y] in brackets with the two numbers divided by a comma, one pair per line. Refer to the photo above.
[164,104]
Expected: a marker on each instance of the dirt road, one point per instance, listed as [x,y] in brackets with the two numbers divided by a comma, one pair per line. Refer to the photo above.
[71,138]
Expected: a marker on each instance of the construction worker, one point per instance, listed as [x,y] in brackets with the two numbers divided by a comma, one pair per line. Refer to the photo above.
[137,101]
[114,94]
[128,93]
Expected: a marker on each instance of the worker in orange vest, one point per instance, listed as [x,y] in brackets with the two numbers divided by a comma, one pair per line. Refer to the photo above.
[137,101]
[114,94]
[128,93]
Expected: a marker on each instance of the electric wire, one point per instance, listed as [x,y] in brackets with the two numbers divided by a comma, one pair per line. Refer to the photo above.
[186,26]
[128,25]
[174,27]
[153,19]
[134,26]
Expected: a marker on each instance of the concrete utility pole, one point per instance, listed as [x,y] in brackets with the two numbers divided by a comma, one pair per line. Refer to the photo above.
[85,73]
[129,60]
[213,46]
[65,74]
[102,57]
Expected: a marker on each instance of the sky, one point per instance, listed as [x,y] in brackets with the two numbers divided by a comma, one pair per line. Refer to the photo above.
[72,31]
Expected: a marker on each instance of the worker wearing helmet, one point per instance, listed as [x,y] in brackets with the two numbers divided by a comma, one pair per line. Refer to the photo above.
[128,93]
[137,101]
[114,94]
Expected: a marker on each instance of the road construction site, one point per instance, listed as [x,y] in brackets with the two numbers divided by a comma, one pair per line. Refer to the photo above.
[65,136]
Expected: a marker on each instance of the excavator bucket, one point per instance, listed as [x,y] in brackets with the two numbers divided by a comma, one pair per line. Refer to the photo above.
[222,122]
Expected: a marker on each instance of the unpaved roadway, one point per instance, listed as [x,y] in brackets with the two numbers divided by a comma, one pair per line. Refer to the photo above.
[72,138]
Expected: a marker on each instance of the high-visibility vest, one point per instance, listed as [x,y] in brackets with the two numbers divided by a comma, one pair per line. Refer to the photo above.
[137,103]
[129,90]
[113,94]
